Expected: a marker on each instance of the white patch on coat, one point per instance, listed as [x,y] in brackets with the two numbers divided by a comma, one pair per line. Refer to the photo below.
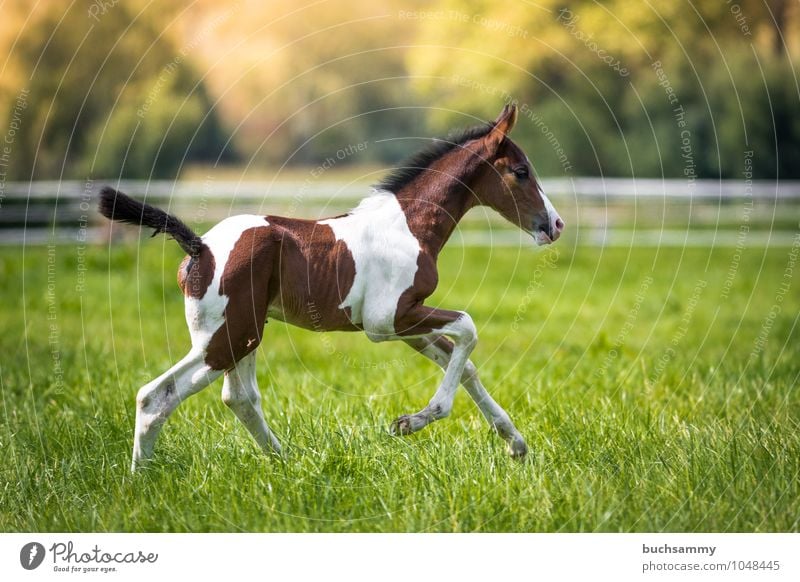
[552,215]
[551,211]
[204,316]
[385,254]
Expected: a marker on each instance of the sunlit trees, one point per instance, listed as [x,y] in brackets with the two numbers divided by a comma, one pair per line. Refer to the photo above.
[138,90]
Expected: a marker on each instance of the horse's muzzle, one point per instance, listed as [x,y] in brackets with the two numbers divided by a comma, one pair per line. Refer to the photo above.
[549,229]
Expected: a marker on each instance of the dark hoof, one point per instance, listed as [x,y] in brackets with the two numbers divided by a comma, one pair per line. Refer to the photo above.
[401,426]
[518,450]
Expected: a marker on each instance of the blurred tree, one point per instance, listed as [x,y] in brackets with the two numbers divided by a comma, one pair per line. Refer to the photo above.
[157,141]
[302,80]
[299,81]
[80,70]
[585,71]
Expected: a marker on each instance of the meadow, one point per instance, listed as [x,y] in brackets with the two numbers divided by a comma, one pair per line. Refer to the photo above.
[655,387]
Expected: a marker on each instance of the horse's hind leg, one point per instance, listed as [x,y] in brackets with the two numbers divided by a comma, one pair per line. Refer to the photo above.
[240,393]
[158,399]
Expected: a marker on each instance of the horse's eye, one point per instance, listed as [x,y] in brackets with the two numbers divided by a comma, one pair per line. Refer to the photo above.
[521,173]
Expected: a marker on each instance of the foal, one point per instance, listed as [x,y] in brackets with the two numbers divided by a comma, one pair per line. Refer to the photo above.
[369,270]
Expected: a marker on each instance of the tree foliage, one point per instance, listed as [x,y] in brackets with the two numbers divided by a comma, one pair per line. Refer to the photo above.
[612,88]
[86,80]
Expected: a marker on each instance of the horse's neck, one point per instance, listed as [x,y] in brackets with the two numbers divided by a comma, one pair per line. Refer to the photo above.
[433,208]
[436,199]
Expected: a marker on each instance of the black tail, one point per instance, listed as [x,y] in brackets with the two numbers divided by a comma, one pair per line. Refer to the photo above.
[118,206]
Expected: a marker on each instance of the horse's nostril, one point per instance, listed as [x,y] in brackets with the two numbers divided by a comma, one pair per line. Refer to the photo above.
[559,224]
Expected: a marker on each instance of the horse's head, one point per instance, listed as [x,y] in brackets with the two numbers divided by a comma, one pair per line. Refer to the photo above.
[508,184]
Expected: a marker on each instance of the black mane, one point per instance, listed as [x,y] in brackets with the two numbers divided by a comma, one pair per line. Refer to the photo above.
[402,175]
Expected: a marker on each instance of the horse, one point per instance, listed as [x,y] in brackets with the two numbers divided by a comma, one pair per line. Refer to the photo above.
[369,270]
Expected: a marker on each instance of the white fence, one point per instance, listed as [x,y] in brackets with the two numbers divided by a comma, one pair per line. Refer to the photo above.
[38,212]
[324,190]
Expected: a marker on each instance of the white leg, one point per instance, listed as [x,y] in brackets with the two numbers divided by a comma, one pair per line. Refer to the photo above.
[156,400]
[465,336]
[240,393]
[439,349]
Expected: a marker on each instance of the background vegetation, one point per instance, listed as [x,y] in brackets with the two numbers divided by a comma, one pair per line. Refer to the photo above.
[136,88]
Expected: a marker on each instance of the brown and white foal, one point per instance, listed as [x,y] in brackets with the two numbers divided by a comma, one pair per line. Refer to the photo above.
[369,270]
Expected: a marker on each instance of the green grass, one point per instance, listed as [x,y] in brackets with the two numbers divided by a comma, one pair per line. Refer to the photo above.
[648,414]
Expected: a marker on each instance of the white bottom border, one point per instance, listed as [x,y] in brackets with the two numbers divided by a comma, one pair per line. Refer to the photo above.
[389,557]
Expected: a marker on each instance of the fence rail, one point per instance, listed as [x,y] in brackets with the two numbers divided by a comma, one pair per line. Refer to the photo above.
[324,190]
[35,212]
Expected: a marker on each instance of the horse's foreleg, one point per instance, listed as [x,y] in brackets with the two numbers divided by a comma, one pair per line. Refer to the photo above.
[240,393]
[439,350]
[423,321]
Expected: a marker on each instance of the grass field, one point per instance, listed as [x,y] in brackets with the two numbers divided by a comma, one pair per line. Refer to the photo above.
[656,389]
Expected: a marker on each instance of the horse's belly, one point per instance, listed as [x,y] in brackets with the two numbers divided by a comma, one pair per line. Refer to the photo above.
[312,315]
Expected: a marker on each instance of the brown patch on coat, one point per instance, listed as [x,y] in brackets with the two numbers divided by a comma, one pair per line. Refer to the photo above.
[314,274]
[422,320]
[293,270]
[439,197]
[412,317]
[195,275]
[245,280]
[408,320]
[434,202]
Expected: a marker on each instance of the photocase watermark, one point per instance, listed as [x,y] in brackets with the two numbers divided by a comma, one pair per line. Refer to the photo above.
[340,155]
[53,330]
[483,87]
[680,333]
[525,110]
[100,8]
[739,17]
[570,22]
[201,204]
[85,206]
[319,170]
[627,327]
[7,147]
[744,227]
[66,558]
[168,71]
[536,282]
[549,135]
[491,24]
[686,151]
[330,348]
[777,305]
[31,555]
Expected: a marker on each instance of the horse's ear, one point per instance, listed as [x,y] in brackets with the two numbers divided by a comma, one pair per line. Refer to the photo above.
[502,126]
